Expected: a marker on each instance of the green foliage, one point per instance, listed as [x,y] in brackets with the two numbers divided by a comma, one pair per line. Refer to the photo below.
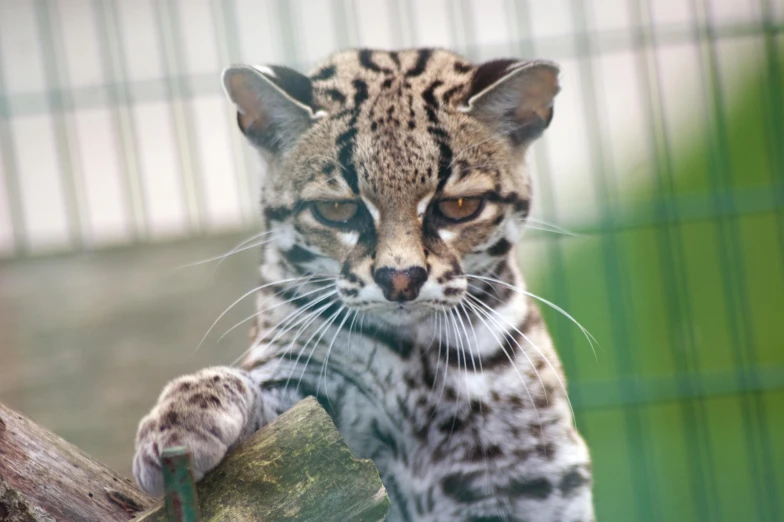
[683,410]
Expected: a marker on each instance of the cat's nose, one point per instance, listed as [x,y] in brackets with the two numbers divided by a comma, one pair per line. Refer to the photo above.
[400,285]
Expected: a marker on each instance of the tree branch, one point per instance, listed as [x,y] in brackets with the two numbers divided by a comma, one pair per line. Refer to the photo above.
[45,478]
[298,468]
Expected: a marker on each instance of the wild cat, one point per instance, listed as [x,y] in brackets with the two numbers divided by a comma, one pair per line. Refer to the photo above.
[394,197]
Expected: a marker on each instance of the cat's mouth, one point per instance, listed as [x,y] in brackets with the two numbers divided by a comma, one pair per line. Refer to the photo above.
[401,314]
[404,313]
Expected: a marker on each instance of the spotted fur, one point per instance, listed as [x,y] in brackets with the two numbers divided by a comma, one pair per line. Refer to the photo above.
[415,332]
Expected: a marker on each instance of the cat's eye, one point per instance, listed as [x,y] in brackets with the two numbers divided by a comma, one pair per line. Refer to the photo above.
[335,213]
[458,210]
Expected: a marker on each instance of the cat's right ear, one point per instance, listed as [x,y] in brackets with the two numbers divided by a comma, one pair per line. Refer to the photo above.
[274,104]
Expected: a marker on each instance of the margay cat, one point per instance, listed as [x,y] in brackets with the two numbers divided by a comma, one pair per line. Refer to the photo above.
[395,194]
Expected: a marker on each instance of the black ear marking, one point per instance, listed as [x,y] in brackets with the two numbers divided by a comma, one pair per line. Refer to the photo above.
[274,104]
[488,73]
[295,84]
[514,98]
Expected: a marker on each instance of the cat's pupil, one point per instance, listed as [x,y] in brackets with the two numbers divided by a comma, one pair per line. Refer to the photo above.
[460,209]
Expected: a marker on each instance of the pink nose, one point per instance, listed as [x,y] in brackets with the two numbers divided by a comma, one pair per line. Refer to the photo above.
[400,285]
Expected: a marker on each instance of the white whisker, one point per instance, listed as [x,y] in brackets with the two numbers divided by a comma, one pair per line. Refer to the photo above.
[446,363]
[460,350]
[479,314]
[529,341]
[306,322]
[438,360]
[326,359]
[351,331]
[324,327]
[476,340]
[549,227]
[591,339]
[235,250]
[232,305]
[265,310]
[291,321]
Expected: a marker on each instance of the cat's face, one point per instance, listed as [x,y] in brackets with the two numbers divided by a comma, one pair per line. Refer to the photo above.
[401,244]
[383,180]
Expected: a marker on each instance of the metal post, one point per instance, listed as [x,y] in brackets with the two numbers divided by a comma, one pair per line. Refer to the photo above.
[179,487]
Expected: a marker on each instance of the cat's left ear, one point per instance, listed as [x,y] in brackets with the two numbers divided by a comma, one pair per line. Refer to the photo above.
[514,98]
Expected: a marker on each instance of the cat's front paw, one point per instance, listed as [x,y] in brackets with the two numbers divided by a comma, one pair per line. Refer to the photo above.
[207,413]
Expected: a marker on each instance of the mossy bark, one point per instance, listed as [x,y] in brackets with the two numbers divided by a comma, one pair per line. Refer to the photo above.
[298,468]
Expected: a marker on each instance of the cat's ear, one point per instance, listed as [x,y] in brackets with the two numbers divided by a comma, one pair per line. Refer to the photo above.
[514,98]
[274,104]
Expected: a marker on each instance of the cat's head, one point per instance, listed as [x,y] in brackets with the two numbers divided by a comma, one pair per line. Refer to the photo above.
[395,172]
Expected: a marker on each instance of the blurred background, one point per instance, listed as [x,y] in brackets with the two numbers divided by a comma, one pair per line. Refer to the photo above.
[661,183]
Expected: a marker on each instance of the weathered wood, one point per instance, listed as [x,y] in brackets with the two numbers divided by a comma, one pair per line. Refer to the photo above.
[45,478]
[296,469]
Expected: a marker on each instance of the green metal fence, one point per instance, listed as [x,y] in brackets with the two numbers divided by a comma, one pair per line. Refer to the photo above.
[666,160]
[683,283]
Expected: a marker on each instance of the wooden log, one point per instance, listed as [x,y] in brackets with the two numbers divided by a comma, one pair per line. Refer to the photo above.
[298,468]
[45,478]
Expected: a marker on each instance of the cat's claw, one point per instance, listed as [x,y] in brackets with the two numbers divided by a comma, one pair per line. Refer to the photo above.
[206,412]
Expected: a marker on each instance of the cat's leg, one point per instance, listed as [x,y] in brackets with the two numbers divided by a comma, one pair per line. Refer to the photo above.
[569,500]
[560,488]
[577,499]
[208,412]
[566,496]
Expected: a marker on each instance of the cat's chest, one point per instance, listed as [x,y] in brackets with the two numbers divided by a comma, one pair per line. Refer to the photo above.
[400,409]
[382,430]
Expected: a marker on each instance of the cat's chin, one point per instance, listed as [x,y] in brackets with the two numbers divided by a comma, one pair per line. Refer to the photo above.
[398,315]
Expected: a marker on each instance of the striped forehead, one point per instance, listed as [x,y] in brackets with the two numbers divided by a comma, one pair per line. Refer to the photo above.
[394,129]
[349,74]
[391,165]
[327,182]
[401,166]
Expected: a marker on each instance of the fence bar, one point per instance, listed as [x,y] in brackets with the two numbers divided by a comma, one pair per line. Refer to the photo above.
[180,499]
